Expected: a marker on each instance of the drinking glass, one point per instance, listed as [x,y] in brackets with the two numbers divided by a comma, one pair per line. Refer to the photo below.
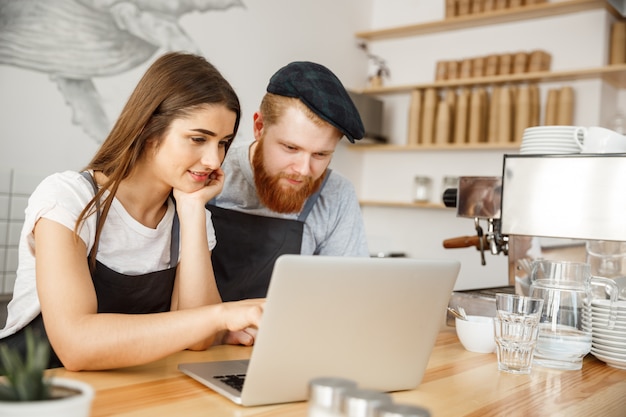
[606,258]
[516,326]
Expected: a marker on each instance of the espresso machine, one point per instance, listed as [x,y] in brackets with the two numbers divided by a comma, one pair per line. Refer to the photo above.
[574,197]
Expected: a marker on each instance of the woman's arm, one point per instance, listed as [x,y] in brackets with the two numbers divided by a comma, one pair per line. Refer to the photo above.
[195,284]
[85,340]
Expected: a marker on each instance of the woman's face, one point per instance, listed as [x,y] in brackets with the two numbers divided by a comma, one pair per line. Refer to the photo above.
[193,147]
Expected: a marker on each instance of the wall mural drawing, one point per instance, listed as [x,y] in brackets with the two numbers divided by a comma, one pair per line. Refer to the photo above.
[75,41]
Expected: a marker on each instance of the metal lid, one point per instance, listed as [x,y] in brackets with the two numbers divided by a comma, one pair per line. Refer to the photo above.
[362,402]
[401,410]
[328,392]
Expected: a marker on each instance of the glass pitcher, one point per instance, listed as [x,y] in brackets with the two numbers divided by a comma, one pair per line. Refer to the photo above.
[565,325]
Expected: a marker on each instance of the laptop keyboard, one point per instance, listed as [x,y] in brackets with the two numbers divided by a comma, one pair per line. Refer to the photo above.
[235,381]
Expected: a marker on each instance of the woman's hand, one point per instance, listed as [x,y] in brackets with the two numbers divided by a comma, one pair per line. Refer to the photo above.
[244,337]
[242,319]
[212,187]
[214,184]
[195,283]
[239,315]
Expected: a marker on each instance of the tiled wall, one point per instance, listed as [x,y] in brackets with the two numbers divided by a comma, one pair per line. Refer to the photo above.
[15,187]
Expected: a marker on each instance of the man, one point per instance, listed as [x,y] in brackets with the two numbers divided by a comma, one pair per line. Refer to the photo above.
[279,196]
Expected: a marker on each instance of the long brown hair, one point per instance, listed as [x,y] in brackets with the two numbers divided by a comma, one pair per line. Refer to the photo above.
[175,84]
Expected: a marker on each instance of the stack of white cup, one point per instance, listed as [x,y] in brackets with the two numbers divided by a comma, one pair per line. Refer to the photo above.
[571,139]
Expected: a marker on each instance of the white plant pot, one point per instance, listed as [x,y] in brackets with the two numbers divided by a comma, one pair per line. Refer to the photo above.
[73,406]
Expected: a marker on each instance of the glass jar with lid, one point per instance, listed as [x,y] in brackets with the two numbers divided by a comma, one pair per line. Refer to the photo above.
[422,189]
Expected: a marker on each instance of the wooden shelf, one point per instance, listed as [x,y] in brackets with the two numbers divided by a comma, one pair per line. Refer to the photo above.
[448,147]
[487,18]
[400,204]
[613,74]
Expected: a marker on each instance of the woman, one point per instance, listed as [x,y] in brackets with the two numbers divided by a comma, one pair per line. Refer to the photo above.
[104,243]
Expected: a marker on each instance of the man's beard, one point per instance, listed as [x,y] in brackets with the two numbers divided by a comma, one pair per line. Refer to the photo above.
[273,195]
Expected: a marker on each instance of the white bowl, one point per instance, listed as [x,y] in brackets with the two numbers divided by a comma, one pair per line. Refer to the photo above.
[476,334]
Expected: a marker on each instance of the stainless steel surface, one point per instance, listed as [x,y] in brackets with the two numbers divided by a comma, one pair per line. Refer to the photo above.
[463,313]
[479,197]
[566,196]
[371,111]
[619,6]
[476,302]
[563,197]
[457,314]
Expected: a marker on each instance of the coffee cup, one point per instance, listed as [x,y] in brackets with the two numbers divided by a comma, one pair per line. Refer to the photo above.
[601,140]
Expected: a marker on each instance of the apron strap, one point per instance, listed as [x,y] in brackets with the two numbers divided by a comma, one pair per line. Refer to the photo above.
[89,178]
[175,239]
[310,202]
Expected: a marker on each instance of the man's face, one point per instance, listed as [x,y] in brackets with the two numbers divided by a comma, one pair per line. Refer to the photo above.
[291,158]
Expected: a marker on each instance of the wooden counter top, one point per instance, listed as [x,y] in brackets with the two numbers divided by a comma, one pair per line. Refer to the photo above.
[457,383]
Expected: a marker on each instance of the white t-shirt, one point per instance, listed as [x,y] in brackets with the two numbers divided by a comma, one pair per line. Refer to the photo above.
[126,246]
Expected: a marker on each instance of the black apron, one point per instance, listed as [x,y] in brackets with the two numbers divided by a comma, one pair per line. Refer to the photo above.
[248,245]
[119,293]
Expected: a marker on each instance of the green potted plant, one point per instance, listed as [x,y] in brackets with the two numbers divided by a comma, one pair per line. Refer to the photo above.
[26,391]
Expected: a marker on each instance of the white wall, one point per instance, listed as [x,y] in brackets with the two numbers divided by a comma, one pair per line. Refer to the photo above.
[249,44]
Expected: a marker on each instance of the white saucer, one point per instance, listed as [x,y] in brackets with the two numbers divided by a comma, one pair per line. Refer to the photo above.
[544,143]
[615,334]
[609,354]
[615,363]
[609,360]
[547,151]
[610,350]
[550,146]
[601,311]
[606,304]
[551,128]
[606,310]
[557,137]
[608,343]
[603,323]
[603,338]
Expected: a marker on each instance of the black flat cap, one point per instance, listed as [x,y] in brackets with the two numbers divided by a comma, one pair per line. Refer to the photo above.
[322,92]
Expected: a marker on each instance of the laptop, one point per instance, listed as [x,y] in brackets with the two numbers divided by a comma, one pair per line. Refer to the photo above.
[371,320]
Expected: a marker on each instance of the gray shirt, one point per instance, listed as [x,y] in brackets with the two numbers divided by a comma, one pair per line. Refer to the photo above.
[333,228]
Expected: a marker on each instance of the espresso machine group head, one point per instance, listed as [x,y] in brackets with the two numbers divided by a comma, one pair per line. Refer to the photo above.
[571,196]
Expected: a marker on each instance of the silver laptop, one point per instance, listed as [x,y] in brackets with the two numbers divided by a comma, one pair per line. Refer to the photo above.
[372,320]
